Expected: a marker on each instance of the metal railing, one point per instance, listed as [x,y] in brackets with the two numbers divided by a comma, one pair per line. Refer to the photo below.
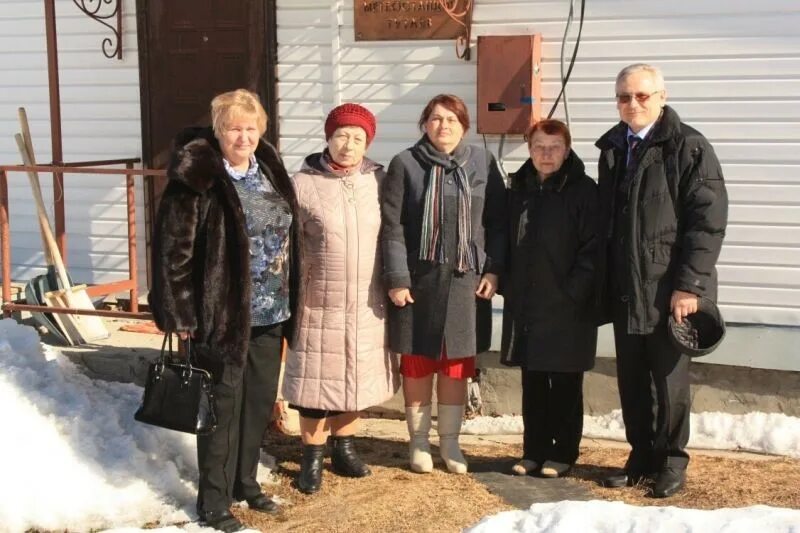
[130,284]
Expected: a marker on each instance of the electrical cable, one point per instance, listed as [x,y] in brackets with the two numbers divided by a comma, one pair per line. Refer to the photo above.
[500,156]
[565,79]
[567,27]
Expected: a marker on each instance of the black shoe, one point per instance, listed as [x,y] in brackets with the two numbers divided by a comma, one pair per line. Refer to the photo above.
[669,481]
[614,481]
[222,521]
[344,459]
[263,504]
[310,478]
[624,479]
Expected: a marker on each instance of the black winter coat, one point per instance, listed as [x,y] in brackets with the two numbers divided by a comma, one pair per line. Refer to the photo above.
[548,319]
[445,305]
[201,254]
[674,218]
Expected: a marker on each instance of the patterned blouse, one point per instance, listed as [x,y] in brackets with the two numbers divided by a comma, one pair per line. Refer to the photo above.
[268,218]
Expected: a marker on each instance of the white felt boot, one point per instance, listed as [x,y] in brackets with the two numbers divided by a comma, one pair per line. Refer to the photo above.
[419,448]
[449,427]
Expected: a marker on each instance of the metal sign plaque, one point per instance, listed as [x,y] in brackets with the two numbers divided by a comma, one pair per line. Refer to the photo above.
[392,20]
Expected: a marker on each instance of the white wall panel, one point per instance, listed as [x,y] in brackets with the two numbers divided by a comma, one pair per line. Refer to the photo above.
[100,120]
[732,70]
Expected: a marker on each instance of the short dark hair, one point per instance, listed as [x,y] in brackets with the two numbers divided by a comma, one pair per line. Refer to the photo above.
[452,103]
[550,126]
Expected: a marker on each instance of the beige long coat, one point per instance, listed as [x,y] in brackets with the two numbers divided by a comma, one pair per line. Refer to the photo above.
[339,358]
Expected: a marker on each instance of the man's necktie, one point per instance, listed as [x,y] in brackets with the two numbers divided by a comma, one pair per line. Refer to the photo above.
[633,142]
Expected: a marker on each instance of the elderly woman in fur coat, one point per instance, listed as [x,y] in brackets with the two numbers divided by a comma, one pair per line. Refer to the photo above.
[224,275]
[339,363]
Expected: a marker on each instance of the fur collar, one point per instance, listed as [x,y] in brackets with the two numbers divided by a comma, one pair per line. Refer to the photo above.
[197,161]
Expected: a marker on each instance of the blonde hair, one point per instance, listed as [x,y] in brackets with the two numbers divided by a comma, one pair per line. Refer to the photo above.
[226,107]
[655,72]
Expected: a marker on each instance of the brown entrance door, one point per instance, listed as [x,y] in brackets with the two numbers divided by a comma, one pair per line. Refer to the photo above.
[190,51]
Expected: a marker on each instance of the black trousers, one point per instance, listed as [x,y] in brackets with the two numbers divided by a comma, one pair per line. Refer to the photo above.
[244,398]
[653,380]
[552,413]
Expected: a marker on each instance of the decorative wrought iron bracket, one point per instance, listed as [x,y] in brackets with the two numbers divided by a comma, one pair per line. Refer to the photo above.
[97,10]
[463,18]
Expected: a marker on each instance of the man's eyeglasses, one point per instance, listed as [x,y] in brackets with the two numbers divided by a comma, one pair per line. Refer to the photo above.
[626,98]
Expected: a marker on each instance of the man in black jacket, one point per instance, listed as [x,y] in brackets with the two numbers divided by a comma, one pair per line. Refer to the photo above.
[663,216]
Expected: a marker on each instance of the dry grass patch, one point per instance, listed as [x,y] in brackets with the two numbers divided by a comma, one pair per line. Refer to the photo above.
[392,499]
[712,482]
[396,499]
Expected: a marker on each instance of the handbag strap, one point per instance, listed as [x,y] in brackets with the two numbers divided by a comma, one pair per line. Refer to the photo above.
[167,351]
[191,356]
[167,340]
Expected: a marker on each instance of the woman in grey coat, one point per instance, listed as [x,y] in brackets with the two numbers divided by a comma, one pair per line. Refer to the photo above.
[443,240]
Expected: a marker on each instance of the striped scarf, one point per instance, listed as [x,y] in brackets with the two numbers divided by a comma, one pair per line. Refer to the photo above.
[431,242]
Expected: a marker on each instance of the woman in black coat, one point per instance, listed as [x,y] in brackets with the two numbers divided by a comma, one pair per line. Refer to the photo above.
[548,326]
[224,270]
[443,240]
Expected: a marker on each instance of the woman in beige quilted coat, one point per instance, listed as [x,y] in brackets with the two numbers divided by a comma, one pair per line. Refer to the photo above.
[339,363]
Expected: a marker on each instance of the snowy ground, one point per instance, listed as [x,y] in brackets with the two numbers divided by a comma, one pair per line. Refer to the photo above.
[79,461]
[613,517]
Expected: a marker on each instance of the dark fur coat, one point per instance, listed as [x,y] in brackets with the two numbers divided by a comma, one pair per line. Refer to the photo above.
[200,252]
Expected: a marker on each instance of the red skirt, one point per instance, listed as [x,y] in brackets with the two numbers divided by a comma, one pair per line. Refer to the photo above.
[420,366]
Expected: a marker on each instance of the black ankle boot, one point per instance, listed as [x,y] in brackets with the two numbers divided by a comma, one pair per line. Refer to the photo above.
[344,459]
[310,477]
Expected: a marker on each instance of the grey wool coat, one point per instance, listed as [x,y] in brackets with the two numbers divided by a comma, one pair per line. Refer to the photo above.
[445,308]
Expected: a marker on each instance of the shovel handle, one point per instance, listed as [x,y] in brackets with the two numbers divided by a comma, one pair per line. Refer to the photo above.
[44,222]
[26,132]
[22,115]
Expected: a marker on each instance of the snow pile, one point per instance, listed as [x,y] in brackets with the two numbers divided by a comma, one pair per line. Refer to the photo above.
[493,425]
[608,517]
[71,455]
[772,433]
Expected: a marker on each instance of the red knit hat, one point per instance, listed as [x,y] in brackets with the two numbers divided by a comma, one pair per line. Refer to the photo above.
[350,115]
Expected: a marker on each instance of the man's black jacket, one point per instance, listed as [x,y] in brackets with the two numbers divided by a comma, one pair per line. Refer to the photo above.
[673,222]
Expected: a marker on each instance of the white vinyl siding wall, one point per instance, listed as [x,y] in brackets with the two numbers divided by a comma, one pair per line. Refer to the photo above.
[100,120]
[732,70]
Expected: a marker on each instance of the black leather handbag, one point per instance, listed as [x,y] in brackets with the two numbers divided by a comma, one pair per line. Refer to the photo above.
[178,395]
